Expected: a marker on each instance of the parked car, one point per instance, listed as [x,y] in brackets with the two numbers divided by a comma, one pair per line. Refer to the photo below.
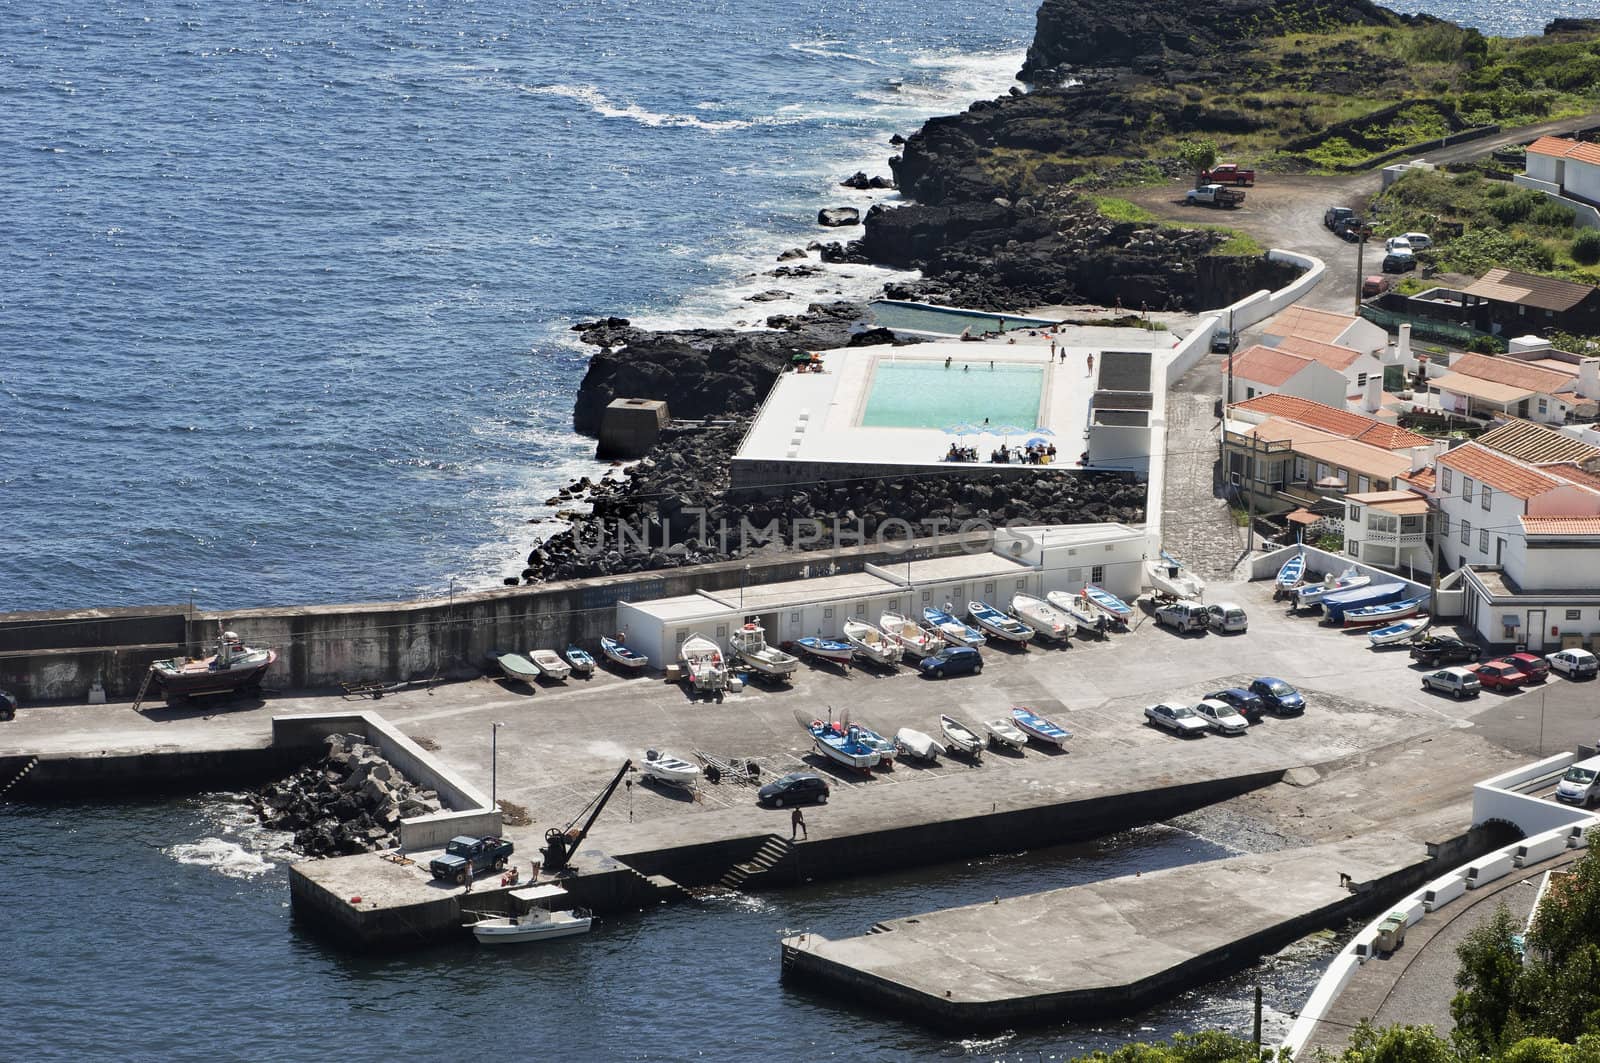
[1223,341]
[1227,618]
[1395,263]
[1222,717]
[1182,616]
[1214,196]
[1435,650]
[1376,284]
[1456,681]
[1278,696]
[1398,245]
[1419,241]
[1536,668]
[1244,703]
[1333,217]
[1500,674]
[1179,719]
[1581,784]
[1574,663]
[952,660]
[796,788]
[1353,230]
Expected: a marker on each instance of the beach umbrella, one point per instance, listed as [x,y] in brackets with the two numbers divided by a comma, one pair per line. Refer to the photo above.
[1036,441]
[964,429]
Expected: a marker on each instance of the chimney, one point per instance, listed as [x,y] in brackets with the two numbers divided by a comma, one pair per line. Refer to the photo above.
[1402,349]
[1589,378]
[1372,400]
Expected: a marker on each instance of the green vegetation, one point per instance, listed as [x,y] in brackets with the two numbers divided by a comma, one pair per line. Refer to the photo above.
[1235,245]
[1113,209]
[1584,345]
[1198,155]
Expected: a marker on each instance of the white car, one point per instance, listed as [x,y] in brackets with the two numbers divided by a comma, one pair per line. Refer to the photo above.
[1418,241]
[1222,717]
[1179,719]
[1397,245]
[1574,663]
[1227,618]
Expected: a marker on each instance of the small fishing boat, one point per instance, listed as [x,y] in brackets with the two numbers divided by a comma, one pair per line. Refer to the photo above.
[1312,593]
[1036,726]
[539,923]
[1079,609]
[1003,732]
[580,661]
[669,770]
[994,622]
[550,664]
[1399,631]
[826,649]
[622,657]
[1169,577]
[871,645]
[750,646]
[234,666]
[917,640]
[952,630]
[1046,620]
[514,665]
[1386,613]
[1291,572]
[1108,603]
[959,738]
[839,742]
[702,659]
[909,742]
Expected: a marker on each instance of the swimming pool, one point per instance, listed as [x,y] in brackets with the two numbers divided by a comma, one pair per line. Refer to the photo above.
[946,320]
[927,395]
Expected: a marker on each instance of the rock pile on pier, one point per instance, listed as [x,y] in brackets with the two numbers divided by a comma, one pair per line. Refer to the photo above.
[351,801]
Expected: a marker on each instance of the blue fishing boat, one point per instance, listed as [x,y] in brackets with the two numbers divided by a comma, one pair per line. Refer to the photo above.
[873,740]
[827,649]
[1384,613]
[1109,604]
[1000,625]
[1036,726]
[1334,605]
[838,742]
[622,657]
[579,660]
[952,630]
[1290,574]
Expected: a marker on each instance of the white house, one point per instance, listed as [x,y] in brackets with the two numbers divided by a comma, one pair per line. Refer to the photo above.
[1486,386]
[1571,166]
[1325,326]
[1261,370]
[1388,529]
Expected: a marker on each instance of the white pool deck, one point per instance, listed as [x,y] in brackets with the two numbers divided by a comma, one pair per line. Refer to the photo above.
[816,417]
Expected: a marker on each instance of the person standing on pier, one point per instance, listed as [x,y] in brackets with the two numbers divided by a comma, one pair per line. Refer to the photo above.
[797,822]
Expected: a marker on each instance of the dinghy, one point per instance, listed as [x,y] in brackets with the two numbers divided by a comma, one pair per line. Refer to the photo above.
[870,644]
[1291,572]
[514,665]
[1386,613]
[1169,577]
[1003,732]
[1036,726]
[1117,609]
[909,742]
[750,646]
[1312,593]
[918,641]
[1046,620]
[1400,631]
[842,744]
[550,664]
[708,672]
[826,649]
[622,657]
[1083,614]
[669,770]
[994,622]
[959,738]
[582,664]
[952,630]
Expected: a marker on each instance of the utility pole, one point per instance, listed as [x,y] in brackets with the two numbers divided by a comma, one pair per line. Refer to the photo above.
[1434,511]
[1250,497]
[1257,1037]
[1361,247]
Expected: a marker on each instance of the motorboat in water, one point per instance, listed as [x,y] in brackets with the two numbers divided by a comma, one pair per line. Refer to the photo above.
[1290,574]
[622,656]
[669,770]
[1080,610]
[750,646]
[1036,726]
[826,649]
[959,738]
[1310,594]
[539,923]
[580,661]
[550,664]
[1170,577]
[1399,631]
[234,666]
[1003,732]
[917,640]
[514,665]
[1000,625]
[1117,609]
[1046,620]
[708,672]
[909,742]
[952,630]
[843,744]
[870,644]
[1384,613]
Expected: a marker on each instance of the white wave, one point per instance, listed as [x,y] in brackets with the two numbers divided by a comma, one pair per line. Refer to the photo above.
[223,856]
[825,50]
[597,101]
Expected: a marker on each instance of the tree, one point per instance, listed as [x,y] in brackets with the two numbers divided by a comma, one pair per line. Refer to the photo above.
[1199,155]
[1398,1044]
[1490,966]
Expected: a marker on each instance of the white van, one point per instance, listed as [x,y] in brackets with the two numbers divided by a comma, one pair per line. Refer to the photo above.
[1581,784]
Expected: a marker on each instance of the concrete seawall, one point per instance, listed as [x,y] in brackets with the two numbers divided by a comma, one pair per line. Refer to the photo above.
[156,772]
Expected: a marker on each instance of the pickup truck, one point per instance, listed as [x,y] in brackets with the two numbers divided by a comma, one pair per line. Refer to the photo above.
[464,857]
[1228,173]
[1215,195]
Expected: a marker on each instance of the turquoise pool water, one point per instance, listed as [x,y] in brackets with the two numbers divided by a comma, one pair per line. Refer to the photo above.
[927,395]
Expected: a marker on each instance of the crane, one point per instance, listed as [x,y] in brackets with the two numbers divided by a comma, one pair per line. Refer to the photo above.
[561,842]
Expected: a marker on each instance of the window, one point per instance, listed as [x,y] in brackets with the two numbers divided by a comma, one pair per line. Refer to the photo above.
[1466,488]
[988,588]
[1466,533]
[722,629]
[1249,393]
[1544,405]
[1444,479]
[1483,541]
[1361,380]
[1355,514]
[1574,614]
[1444,525]
[1022,584]
[1352,548]
[927,596]
[794,617]
[1097,574]
[861,608]
[827,612]
[1488,494]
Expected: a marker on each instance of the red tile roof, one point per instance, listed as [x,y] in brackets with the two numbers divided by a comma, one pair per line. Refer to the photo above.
[1562,148]
[1329,354]
[1513,373]
[1572,473]
[1337,422]
[1560,525]
[1264,365]
[1422,479]
[1498,471]
[1308,323]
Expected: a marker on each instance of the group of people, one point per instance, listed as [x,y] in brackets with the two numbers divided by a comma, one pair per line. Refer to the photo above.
[1036,454]
[956,453]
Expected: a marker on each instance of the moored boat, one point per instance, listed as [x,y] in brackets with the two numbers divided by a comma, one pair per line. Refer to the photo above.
[750,646]
[1003,732]
[1079,609]
[708,672]
[670,770]
[1384,613]
[622,656]
[826,649]
[909,742]
[917,640]
[870,644]
[1170,577]
[1110,604]
[580,661]
[1399,631]
[514,665]
[234,666]
[550,664]
[959,738]
[1000,625]
[539,923]
[1312,593]
[1045,619]
[838,742]
[952,630]
[1036,726]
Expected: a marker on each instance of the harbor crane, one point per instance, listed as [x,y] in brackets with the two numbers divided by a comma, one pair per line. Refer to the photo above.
[560,843]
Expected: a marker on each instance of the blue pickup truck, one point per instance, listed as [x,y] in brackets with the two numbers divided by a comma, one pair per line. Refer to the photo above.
[465,857]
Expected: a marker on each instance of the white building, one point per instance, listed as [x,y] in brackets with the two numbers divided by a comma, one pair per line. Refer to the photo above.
[1325,326]
[1485,386]
[1566,168]
[1388,529]
[1261,370]
[1359,368]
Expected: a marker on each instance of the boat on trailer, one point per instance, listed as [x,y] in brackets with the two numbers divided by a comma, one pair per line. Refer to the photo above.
[842,743]
[234,666]
[910,742]
[1002,731]
[1117,609]
[1171,577]
[1311,594]
[959,738]
[750,646]
[622,656]
[826,649]
[669,770]
[1046,620]
[1399,631]
[1000,625]
[1290,574]
[1083,614]
[952,630]
[870,644]
[1036,726]
[917,640]
[708,672]
[1384,613]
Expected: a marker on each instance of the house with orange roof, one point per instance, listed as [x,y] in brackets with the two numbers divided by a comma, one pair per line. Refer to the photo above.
[1261,370]
[1564,167]
[1480,385]
[1389,529]
[1325,326]
[1362,370]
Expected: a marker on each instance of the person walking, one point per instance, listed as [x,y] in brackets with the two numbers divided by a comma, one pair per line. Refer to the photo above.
[797,822]
[1091,365]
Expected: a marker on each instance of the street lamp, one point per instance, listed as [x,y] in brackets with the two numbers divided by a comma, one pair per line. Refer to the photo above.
[494,761]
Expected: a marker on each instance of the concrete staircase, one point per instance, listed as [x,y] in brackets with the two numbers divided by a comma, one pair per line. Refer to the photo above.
[773,851]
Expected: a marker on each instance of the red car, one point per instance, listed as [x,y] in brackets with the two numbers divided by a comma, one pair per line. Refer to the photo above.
[1499,674]
[1536,668]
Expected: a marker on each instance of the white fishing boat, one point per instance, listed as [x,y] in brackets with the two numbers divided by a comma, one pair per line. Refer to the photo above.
[1080,609]
[1046,620]
[708,672]
[669,770]
[959,738]
[750,646]
[917,640]
[550,664]
[909,742]
[870,644]
[514,665]
[842,743]
[539,923]
[1312,593]
[622,657]
[580,660]
[1002,731]
[1118,610]
[952,630]
[998,624]
[1169,577]
[1400,631]
[1290,573]
[1384,614]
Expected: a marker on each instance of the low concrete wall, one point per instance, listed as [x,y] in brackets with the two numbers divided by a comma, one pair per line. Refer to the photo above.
[1584,216]
[1498,799]
[158,772]
[1266,566]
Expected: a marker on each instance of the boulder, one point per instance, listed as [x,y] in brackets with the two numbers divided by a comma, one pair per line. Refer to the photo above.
[836,217]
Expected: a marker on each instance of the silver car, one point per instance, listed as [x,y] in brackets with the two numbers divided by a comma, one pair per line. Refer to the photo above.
[1457,682]
[1227,618]
[1222,717]
[1179,719]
